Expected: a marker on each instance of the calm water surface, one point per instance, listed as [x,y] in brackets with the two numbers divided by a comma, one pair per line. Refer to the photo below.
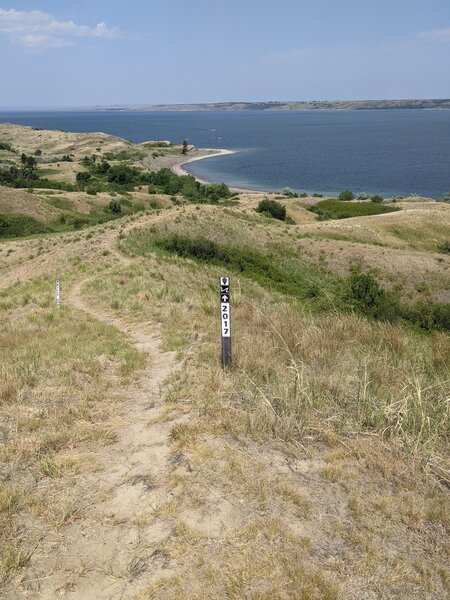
[388,152]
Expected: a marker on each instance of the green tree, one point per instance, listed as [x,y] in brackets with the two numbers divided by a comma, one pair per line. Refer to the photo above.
[185,147]
[83,177]
[346,195]
[29,166]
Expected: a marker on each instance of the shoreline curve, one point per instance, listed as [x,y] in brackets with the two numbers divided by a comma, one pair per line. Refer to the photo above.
[179,170]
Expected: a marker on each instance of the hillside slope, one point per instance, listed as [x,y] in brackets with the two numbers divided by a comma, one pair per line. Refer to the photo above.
[132,465]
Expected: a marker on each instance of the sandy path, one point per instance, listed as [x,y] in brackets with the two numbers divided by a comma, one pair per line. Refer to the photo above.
[113,549]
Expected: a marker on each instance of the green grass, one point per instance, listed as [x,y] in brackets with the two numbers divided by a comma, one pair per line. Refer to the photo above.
[20,225]
[280,269]
[61,202]
[47,171]
[284,274]
[336,209]
[124,155]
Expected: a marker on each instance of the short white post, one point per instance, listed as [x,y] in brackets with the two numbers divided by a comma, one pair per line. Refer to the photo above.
[58,294]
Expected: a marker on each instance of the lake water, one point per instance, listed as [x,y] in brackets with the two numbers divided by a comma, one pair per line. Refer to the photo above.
[388,152]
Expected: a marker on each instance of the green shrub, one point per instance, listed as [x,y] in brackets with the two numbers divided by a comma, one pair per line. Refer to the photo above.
[377,199]
[427,315]
[444,248]
[289,193]
[346,195]
[115,207]
[304,283]
[83,177]
[6,146]
[123,175]
[20,225]
[366,295]
[273,208]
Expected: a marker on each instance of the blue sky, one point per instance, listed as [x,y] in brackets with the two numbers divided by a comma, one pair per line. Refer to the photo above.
[89,52]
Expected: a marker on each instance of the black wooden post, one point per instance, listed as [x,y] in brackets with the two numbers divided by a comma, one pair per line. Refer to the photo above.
[225,320]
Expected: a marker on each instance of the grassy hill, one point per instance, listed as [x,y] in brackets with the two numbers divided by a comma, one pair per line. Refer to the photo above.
[133,465]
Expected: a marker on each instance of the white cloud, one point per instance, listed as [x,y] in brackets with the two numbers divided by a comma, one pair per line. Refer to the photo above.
[35,29]
[436,35]
[293,55]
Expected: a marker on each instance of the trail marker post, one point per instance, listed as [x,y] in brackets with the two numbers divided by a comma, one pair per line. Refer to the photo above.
[225,321]
[58,294]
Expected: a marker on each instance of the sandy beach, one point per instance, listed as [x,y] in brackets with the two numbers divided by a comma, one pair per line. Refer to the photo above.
[179,170]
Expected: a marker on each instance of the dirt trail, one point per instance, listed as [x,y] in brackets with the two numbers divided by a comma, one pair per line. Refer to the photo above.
[114,546]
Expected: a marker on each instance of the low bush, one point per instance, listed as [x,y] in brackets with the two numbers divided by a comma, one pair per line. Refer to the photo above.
[115,207]
[273,208]
[83,177]
[265,269]
[360,292]
[289,193]
[346,195]
[444,248]
[20,225]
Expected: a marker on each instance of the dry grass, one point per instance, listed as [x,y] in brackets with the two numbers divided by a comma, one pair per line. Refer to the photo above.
[418,225]
[56,405]
[315,469]
[360,412]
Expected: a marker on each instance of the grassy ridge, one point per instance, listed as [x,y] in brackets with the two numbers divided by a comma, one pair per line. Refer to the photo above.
[295,369]
[319,440]
[285,274]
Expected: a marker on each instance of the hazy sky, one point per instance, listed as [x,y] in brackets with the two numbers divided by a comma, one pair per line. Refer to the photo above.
[55,53]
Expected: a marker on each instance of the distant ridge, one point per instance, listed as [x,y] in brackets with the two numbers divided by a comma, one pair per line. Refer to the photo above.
[281,105]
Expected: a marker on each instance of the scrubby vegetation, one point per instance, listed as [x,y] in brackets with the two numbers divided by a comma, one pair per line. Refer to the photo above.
[13,225]
[272,208]
[5,146]
[335,209]
[346,195]
[315,468]
[102,176]
[281,271]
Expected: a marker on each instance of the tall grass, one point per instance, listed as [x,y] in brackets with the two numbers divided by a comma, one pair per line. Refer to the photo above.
[296,373]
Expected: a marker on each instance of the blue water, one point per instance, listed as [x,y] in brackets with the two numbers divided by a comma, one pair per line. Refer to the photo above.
[388,152]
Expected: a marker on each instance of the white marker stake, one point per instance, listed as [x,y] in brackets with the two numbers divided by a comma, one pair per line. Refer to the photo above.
[225,320]
[58,294]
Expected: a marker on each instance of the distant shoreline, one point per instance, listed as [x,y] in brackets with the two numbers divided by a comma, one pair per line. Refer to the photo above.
[334,105]
[266,106]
